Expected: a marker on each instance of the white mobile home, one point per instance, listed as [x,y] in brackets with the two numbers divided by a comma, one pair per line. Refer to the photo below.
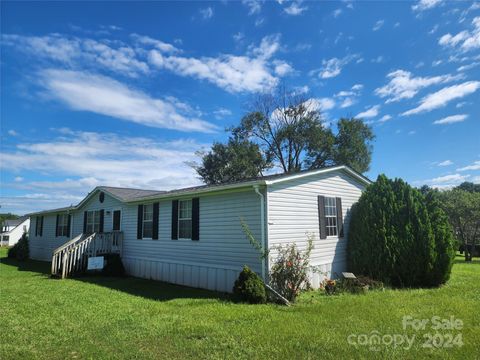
[13,230]
[194,236]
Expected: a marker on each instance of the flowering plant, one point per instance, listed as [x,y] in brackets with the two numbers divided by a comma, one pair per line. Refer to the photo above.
[289,271]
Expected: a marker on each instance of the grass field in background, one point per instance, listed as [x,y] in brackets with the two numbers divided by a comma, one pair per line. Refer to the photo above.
[101,317]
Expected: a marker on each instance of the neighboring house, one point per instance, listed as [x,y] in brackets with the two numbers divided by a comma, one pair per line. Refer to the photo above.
[194,236]
[12,230]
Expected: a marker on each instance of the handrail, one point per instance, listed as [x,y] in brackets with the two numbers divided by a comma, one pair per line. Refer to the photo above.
[68,243]
[73,256]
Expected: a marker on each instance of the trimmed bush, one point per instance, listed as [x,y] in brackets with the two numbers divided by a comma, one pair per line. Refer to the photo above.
[249,287]
[399,236]
[20,250]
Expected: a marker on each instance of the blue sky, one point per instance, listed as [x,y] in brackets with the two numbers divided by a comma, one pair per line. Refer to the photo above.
[125,94]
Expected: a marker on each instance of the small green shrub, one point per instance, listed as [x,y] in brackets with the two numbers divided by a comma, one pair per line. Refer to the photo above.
[113,266]
[249,287]
[360,285]
[20,250]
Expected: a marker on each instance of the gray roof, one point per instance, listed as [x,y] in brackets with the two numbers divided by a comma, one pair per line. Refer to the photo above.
[14,222]
[128,194]
[132,195]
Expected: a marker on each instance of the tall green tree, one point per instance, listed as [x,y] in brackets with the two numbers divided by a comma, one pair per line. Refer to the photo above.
[233,161]
[353,144]
[285,126]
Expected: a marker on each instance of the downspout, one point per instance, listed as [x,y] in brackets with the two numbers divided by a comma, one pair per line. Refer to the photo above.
[262,224]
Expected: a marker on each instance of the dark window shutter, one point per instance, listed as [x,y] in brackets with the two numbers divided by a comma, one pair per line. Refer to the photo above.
[156,213]
[195,219]
[102,218]
[56,226]
[140,221]
[84,222]
[339,217]
[37,223]
[174,219]
[41,226]
[68,224]
[321,217]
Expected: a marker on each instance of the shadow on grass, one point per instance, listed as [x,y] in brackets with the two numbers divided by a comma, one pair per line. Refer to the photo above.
[40,267]
[150,289]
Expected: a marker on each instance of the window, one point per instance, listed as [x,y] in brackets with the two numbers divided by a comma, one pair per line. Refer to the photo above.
[185,219]
[331,216]
[147,221]
[39,226]
[93,222]
[62,225]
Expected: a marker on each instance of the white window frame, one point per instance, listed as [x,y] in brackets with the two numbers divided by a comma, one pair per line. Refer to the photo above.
[331,226]
[180,219]
[145,211]
[62,226]
[92,217]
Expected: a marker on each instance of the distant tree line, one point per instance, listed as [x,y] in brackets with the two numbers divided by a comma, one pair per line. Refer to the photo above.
[462,205]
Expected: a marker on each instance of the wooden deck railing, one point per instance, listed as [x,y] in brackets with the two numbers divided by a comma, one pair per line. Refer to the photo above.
[72,257]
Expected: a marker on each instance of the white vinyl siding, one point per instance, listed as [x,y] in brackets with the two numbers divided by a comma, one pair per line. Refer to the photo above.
[293,213]
[215,261]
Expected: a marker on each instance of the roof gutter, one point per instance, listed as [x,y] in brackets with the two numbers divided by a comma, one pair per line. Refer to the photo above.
[262,224]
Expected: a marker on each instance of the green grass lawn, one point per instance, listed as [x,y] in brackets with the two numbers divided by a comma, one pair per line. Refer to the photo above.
[100,317]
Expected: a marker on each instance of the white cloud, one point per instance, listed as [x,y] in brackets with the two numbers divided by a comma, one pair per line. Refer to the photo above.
[453,178]
[12,132]
[403,85]
[75,52]
[347,102]
[295,8]
[467,39]
[282,68]
[337,12]
[443,96]
[95,93]
[18,179]
[422,5]
[158,44]
[86,159]
[378,60]
[369,113]
[474,166]
[445,163]
[322,104]
[349,97]
[254,6]
[249,73]
[378,25]
[206,13]
[385,118]
[451,119]
[221,113]
[333,67]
